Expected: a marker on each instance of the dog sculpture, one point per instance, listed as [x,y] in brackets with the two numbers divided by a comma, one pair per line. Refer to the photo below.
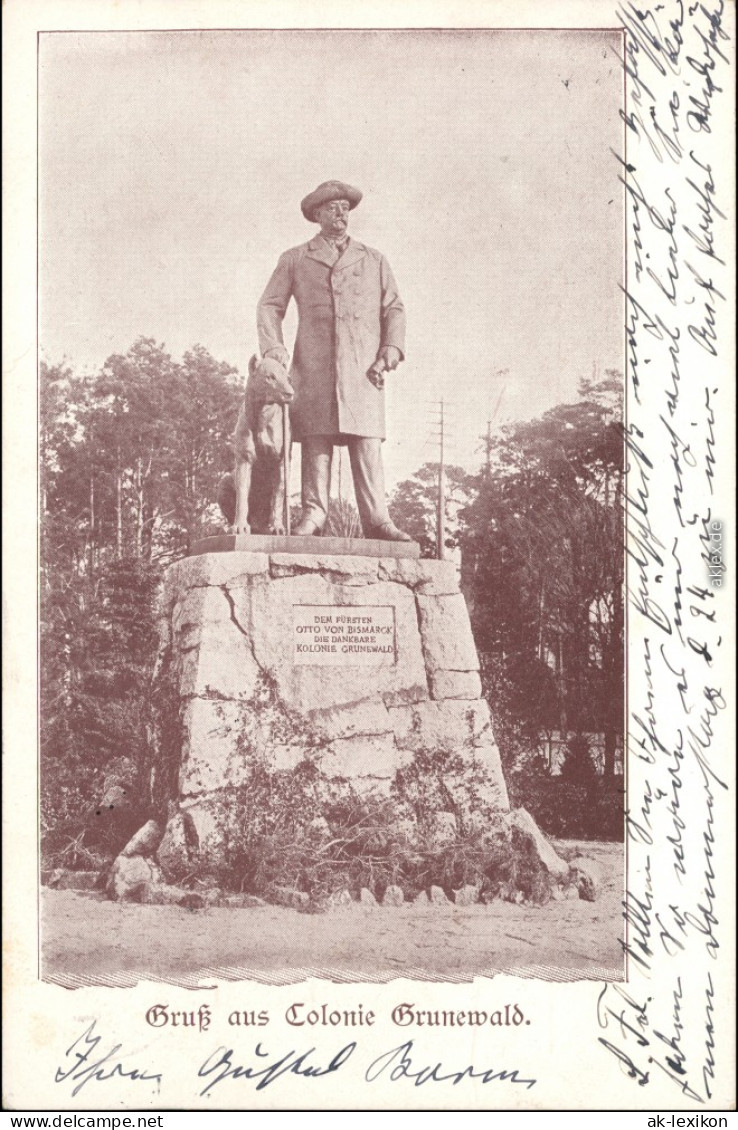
[252,498]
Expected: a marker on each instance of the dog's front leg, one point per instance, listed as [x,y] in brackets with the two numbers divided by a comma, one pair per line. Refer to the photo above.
[243,485]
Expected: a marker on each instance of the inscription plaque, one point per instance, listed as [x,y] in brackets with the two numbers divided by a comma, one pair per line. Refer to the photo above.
[335,635]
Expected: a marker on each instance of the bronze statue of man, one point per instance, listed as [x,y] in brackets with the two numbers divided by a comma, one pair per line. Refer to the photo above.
[351,330]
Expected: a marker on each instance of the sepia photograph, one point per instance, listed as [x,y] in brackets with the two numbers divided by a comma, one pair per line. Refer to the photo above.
[332,519]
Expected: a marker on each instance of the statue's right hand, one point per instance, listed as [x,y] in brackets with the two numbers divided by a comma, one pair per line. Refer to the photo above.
[375,373]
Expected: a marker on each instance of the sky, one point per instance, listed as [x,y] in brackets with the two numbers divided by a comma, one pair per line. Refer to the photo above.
[172,165]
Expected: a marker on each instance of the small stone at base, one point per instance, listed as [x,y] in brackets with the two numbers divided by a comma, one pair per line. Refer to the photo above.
[68,880]
[588,876]
[146,840]
[438,896]
[240,900]
[393,896]
[340,898]
[288,896]
[466,895]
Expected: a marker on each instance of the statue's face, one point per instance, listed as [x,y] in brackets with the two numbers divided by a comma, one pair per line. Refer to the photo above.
[333,218]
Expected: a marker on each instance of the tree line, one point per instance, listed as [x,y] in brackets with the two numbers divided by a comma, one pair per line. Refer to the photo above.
[130,461]
[540,528]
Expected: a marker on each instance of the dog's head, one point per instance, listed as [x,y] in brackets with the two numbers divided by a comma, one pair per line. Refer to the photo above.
[270,381]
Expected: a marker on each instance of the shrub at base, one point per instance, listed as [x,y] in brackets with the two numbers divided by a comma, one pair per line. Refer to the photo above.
[304,840]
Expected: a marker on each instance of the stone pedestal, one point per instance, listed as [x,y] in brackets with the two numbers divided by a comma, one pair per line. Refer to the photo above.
[353,662]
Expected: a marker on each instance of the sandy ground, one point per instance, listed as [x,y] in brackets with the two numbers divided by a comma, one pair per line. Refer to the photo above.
[87,940]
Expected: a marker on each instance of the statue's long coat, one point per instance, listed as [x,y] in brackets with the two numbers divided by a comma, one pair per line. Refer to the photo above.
[347,312]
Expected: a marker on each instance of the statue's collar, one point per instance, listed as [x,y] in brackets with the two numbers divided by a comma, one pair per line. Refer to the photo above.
[320,249]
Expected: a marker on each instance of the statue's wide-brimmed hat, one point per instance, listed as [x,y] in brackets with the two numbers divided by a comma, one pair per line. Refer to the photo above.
[324,193]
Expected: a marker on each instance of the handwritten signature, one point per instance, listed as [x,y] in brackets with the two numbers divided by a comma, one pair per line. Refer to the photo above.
[88,1065]
[221,1065]
[399,1065]
[395,1064]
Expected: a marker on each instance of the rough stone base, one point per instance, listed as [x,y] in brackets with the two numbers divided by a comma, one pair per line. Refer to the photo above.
[231,694]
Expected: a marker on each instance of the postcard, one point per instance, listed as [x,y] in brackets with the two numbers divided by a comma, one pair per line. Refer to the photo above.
[370,556]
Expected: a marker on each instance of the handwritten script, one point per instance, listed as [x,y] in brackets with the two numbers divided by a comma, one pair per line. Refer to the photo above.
[86,1061]
[677,323]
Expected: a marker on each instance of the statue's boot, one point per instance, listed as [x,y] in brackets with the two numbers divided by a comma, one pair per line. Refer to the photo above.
[388,531]
[307,528]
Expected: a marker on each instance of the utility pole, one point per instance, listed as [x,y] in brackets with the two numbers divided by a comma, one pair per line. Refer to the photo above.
[441,518]
[491,416]
[443,437]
